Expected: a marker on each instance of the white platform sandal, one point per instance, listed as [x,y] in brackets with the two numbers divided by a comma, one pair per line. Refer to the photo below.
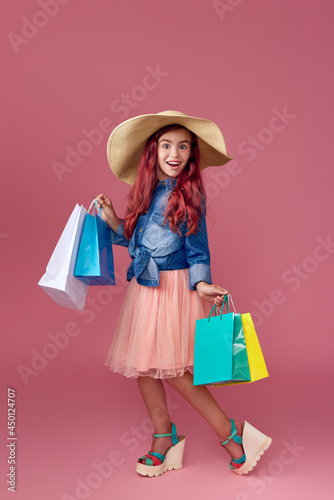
[154,464]
[254,444]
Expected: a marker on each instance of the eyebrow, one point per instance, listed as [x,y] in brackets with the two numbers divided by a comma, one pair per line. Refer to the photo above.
[166,140]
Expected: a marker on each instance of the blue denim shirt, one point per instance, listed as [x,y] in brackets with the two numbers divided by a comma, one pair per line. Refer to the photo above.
[155,247]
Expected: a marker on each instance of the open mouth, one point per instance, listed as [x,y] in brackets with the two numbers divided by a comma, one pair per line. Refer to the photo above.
[173,164]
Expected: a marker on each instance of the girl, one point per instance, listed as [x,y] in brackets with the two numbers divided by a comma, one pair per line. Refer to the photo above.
[170,287]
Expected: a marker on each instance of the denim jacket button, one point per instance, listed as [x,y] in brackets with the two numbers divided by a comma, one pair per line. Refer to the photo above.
[140,229]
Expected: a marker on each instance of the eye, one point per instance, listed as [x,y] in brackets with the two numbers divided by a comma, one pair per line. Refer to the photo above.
[183,146]
[165,146]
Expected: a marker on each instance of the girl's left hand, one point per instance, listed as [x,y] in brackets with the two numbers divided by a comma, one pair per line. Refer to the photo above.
[212,293]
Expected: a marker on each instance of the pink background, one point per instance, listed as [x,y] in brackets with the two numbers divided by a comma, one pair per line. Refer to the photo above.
[240,65]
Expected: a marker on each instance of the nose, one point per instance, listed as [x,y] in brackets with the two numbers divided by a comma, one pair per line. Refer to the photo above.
[174,152]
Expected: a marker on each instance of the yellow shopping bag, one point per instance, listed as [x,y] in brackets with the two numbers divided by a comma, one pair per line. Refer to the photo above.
[257,366]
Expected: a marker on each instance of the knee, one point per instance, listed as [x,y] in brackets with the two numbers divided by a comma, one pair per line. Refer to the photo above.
[172,382]
[177,382]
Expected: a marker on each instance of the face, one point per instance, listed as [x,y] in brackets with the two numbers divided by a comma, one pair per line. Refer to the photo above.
[173,152]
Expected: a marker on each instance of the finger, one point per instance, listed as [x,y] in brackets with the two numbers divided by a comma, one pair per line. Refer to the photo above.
[220,290]
[102,197]
[99,199]
[219,299]
[104,202]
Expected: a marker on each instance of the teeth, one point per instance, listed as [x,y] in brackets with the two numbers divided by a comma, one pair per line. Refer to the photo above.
[174,163]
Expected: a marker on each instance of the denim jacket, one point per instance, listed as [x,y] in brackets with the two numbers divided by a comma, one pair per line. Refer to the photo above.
[154,247]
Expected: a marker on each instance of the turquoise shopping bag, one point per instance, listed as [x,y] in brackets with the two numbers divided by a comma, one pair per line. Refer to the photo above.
[213,348]
[95,263]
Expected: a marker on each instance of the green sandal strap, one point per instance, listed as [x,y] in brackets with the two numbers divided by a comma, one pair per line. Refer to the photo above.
[172,434]
[236,439]
[149,460]
[240,460]
[233,435]
[158,455]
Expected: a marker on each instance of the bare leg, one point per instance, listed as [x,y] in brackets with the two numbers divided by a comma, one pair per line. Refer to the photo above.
[203,401]
[154,396]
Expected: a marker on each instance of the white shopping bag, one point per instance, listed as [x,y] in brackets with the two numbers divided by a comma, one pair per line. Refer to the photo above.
[59,281]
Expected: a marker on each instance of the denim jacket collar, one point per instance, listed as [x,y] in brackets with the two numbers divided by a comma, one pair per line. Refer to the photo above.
[167,184]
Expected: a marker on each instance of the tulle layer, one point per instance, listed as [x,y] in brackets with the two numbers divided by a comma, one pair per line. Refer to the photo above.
[156,328]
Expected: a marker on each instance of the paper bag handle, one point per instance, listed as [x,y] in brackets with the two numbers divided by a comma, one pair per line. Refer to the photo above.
[94,205]
[230,296]
[98,210]
[222,308]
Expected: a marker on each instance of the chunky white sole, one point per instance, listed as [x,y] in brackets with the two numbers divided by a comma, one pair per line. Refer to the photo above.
[173,460]
[254,443]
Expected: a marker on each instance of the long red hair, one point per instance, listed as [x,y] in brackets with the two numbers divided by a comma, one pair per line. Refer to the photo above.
[186,202]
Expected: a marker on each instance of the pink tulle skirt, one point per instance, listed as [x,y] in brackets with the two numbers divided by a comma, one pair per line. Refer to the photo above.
[156,328]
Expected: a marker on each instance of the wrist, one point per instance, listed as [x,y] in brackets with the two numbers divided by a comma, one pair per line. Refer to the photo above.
[200,284]
[113,223]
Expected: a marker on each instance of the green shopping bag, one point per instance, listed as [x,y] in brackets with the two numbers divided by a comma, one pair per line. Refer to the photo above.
[240,363]
[213,348]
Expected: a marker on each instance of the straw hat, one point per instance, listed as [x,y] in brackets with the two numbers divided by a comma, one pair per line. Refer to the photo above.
[127,141]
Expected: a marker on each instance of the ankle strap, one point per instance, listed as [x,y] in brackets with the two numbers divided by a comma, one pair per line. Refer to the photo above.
[233,435]
[172,434]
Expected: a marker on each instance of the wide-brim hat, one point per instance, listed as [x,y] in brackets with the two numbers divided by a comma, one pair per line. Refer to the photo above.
[127,141]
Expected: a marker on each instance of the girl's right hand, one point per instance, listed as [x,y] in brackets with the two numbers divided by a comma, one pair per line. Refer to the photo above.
[212,293]
[108,213]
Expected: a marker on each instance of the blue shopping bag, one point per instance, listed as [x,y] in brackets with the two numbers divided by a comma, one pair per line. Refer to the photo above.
[95,262]
[213,348]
